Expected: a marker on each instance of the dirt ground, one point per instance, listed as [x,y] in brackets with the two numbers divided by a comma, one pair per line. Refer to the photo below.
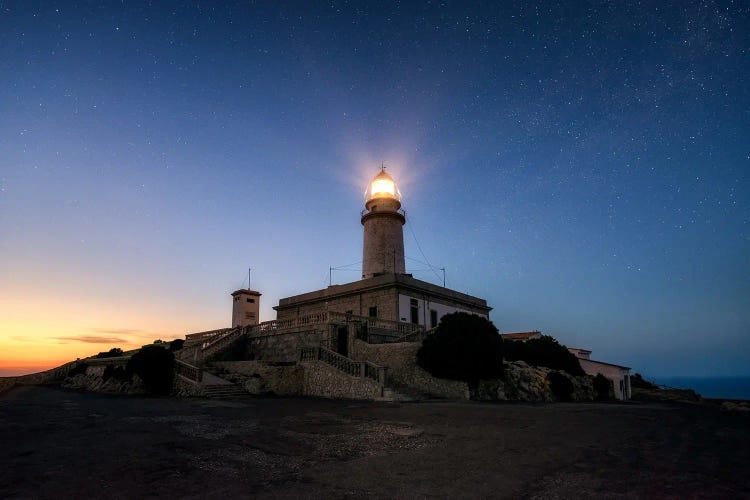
[63,444]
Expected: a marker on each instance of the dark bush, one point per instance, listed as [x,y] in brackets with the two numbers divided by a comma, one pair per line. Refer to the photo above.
[120,373]
[78,369]
[545,351]
[561,386]
[115,352]
[176,344]
[464,347]
[639,382]
[602,387]
[155,366]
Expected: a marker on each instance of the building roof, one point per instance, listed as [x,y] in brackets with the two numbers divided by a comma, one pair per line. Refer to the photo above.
[245,291]
[521,335]
[401,281]
[607,364]
[578,349]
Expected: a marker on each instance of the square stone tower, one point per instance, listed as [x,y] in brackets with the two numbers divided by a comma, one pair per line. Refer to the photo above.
[245,307]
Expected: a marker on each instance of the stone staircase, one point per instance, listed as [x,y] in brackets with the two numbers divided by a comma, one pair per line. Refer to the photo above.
[224,391]
[215,387]
[392,396]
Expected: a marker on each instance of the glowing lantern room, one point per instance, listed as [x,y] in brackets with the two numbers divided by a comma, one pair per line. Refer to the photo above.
[382,186]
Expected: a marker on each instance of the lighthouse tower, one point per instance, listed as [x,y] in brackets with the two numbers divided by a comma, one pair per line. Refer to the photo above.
[383,222]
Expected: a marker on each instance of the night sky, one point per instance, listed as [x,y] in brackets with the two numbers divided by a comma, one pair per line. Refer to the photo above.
[583,167]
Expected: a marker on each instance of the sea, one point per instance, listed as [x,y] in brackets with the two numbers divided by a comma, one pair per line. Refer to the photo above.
[710,387]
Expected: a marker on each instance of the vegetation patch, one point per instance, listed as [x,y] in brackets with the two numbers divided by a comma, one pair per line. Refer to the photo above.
[155,367]
[115,352]
[561,386]
[79,369]
[464,347]
[545,351]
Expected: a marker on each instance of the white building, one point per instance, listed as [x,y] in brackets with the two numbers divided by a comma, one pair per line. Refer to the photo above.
[618,375]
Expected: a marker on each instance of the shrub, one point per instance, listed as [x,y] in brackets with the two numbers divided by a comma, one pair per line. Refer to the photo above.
[78,369]
[561,386]
[176,344]
[602,387]
[545,351]
[464,347]
[120,373]
[155,366]
[639,382]
[115,352]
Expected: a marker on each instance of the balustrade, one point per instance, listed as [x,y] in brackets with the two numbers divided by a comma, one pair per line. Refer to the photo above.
[188,371]
[346,365]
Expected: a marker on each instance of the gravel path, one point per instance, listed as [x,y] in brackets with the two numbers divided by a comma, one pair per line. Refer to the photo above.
[64,444]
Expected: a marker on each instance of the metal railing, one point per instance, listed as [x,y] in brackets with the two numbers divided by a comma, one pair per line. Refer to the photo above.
[364,212]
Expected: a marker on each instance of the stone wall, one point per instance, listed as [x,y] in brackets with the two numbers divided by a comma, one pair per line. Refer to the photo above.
[258,377]
[57,374]
[283,347]
[185,388]
[403,372]
[323,380]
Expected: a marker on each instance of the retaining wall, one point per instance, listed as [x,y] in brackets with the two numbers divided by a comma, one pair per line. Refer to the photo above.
[257,377]
[400,359]
[53,375]
[323,380]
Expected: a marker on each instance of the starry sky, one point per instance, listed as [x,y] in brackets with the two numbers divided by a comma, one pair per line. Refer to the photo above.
[583,166]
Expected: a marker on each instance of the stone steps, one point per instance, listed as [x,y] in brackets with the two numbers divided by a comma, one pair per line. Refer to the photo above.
[392,395]
[224,391]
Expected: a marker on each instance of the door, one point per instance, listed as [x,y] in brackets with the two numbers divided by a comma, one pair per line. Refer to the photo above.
[342,341]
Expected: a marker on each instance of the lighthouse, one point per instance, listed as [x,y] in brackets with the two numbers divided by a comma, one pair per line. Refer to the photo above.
[383,221]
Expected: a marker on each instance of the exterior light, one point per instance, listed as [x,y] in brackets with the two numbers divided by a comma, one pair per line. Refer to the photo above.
[382,186]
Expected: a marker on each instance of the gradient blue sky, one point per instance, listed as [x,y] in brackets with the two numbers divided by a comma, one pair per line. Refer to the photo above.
[584,167]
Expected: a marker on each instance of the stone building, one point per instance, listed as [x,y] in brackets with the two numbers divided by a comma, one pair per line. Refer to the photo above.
[356,340]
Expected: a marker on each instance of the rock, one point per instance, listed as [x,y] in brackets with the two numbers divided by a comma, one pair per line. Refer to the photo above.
[486,390]
[732,406]
[523,382]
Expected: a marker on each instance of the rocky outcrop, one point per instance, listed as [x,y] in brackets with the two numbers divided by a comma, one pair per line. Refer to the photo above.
[96,383]
[736,406]
[523,382]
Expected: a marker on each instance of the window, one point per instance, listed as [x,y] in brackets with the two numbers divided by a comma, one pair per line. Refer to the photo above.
[251,301]
[373,312]
[249,315]
[414,311]
[433,318]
